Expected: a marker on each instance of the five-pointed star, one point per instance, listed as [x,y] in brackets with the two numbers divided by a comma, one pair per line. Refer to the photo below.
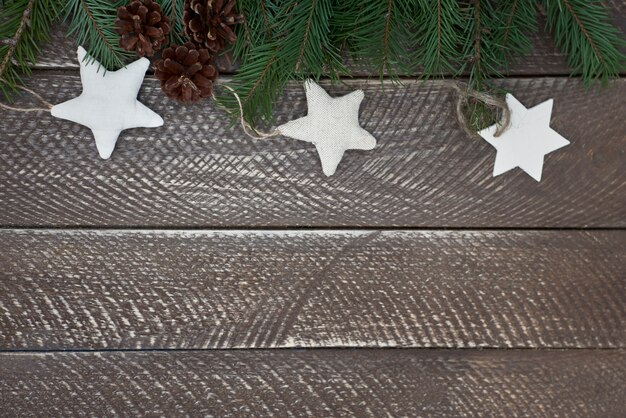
[332,125]
[527,139]
[108,103]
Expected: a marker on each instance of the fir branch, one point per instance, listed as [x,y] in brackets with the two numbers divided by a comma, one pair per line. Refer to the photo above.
[256,28]
[385,57]
[438,36]
[300,47]
[307,48]
[483,28]
[478,16]
[92,22]
[266,19]
[377,34]
[513,5]
[24,24]
[582,30]
[173,9]
[14,40]
[305,39]
[520,20]
[258,83]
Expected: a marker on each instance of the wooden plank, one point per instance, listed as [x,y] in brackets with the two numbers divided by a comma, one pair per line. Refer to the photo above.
[425,171]
[242,383]
[243,289]
[544,59]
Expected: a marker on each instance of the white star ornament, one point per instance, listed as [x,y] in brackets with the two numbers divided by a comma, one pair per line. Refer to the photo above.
[331,124]
[108,103]
[527,139]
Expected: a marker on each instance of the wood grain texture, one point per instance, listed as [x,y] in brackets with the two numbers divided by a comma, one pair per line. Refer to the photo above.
[244,289]
[363,383]
[424,172]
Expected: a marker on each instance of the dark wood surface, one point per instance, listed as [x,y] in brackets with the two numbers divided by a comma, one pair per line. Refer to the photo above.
[255,289]
[319,383]
[200,310]
[424,172]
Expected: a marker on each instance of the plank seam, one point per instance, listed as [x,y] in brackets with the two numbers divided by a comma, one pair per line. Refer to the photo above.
[337,228]
[302,349]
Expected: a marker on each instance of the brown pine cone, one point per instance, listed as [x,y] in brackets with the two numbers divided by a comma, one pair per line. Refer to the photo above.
[143,27]
[209,22]
[186,72]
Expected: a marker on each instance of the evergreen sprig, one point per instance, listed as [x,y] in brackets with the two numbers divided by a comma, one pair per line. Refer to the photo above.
[518,19]
[173,9]
[24,25]
[438,37]
[92,24]
[378,34]
[582,30]
[300,47]
[256,28]
[480,50]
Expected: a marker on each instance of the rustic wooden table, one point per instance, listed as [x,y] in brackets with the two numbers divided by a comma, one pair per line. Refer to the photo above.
[201,272]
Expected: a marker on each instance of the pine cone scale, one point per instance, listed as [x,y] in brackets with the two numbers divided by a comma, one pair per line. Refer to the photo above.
[153,18]
[191,58]
[154,32]
[202,81]
[181,53]
[173,66]
[142,26]
[193,69]
[129,42]
[209,23]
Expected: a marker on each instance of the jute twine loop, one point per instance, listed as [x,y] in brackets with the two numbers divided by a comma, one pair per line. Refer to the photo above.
[462,90]
[463,93]
[247,128]
[47,104]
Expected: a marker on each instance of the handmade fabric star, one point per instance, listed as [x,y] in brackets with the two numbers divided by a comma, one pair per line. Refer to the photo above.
[332,125]
[108,103]
[527,139]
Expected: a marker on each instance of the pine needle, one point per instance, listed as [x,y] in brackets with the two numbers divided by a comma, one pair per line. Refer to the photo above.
[24,25]
[377,34]
[438,36]
[173,9]
[582,30]
[92,24]
[300,47]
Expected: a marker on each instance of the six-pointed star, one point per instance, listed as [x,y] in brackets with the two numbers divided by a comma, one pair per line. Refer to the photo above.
[527,139]
[331,124]
[108,103]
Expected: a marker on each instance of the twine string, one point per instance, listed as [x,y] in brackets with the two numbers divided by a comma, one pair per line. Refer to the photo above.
[247,128]
[462,90]
[46,103]
[463,93]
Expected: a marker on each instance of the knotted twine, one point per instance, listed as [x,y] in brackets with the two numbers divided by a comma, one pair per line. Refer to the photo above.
[47,104]
[463,94]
